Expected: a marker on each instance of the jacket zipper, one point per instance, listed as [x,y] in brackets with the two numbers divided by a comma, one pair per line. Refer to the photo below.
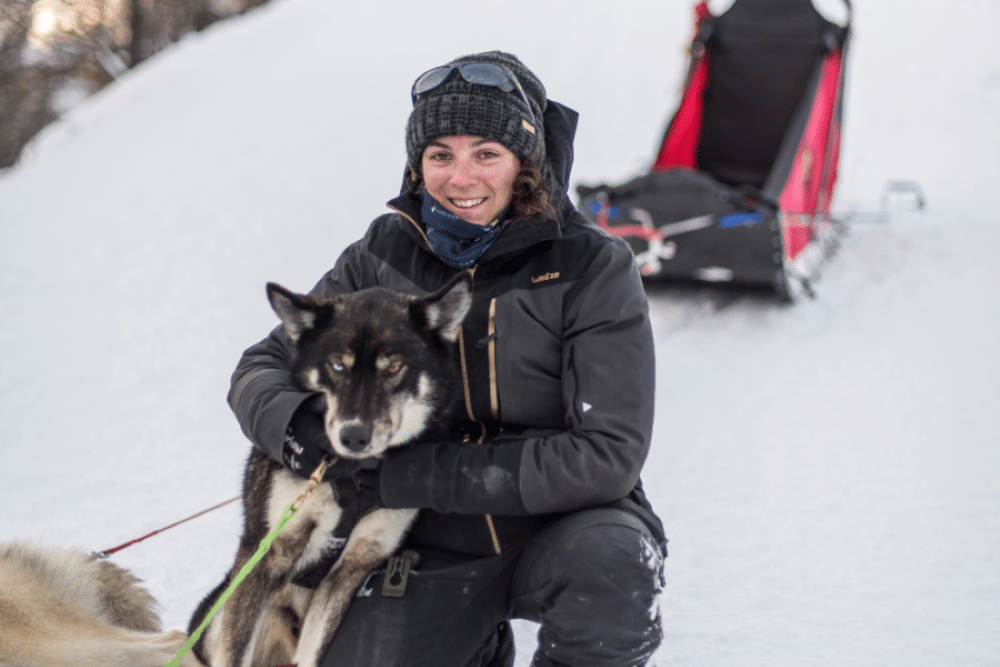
[482,435]
[491,331]
[467,389]
[494,399]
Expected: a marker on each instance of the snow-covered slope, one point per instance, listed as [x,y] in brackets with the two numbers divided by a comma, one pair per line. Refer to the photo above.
[828,472]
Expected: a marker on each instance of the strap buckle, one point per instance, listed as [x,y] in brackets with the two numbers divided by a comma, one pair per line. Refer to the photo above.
[397,573]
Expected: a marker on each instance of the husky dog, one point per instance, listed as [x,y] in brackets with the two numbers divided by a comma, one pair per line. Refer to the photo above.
[61,607]
[386,363]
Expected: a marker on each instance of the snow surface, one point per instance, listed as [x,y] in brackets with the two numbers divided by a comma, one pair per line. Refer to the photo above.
[828,472]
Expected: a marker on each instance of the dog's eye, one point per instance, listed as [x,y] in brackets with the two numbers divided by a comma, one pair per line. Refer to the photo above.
[394,367]
[337,368]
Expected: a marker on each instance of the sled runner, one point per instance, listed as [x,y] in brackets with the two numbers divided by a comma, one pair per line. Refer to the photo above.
[742,183]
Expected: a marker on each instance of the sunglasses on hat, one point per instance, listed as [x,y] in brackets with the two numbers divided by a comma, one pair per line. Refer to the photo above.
[481,74]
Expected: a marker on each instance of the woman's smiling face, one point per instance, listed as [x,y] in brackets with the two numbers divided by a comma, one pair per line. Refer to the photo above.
[470,176]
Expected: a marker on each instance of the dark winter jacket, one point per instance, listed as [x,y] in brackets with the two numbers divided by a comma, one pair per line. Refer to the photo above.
[559,370]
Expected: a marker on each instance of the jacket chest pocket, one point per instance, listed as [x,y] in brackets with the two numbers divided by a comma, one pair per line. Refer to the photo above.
[526,358]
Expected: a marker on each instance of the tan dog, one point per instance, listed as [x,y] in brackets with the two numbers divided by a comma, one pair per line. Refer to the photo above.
[64,607]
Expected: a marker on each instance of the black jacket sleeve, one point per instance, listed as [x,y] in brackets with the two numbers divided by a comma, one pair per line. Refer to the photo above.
[263,395]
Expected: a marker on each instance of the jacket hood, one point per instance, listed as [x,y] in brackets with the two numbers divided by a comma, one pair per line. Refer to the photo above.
[560,131]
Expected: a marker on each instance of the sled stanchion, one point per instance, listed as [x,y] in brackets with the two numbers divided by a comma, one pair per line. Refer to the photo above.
[265,545]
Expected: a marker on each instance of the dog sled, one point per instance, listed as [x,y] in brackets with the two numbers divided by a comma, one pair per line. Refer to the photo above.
[741,186]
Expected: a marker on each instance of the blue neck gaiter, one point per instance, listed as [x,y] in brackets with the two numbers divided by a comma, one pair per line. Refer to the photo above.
[458,243]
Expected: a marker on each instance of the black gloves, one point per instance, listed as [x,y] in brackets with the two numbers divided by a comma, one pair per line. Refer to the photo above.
[306,443]
[355,498]
[370,485]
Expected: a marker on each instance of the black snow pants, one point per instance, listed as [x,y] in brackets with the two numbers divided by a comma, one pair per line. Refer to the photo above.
[591,580]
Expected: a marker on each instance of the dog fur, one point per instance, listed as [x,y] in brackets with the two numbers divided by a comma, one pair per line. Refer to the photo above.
[386,364]
[63,607]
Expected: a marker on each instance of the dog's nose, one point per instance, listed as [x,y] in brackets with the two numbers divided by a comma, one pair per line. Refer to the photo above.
[355,437]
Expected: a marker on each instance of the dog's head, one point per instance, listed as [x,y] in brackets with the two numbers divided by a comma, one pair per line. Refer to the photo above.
[385,361]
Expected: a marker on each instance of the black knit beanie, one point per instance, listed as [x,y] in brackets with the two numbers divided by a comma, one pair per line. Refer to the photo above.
[458,107]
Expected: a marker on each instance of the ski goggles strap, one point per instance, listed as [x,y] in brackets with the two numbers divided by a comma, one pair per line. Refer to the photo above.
[481,74]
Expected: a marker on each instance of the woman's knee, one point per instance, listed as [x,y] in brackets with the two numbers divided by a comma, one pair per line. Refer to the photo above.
[595,558]
[593,582]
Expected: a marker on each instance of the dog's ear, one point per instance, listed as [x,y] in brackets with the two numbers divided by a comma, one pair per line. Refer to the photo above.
[444,310]
[298,312]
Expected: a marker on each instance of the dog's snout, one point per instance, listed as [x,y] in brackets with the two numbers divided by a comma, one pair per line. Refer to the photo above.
[355,437]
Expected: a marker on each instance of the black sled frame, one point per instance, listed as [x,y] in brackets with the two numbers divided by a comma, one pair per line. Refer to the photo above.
[741,187]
